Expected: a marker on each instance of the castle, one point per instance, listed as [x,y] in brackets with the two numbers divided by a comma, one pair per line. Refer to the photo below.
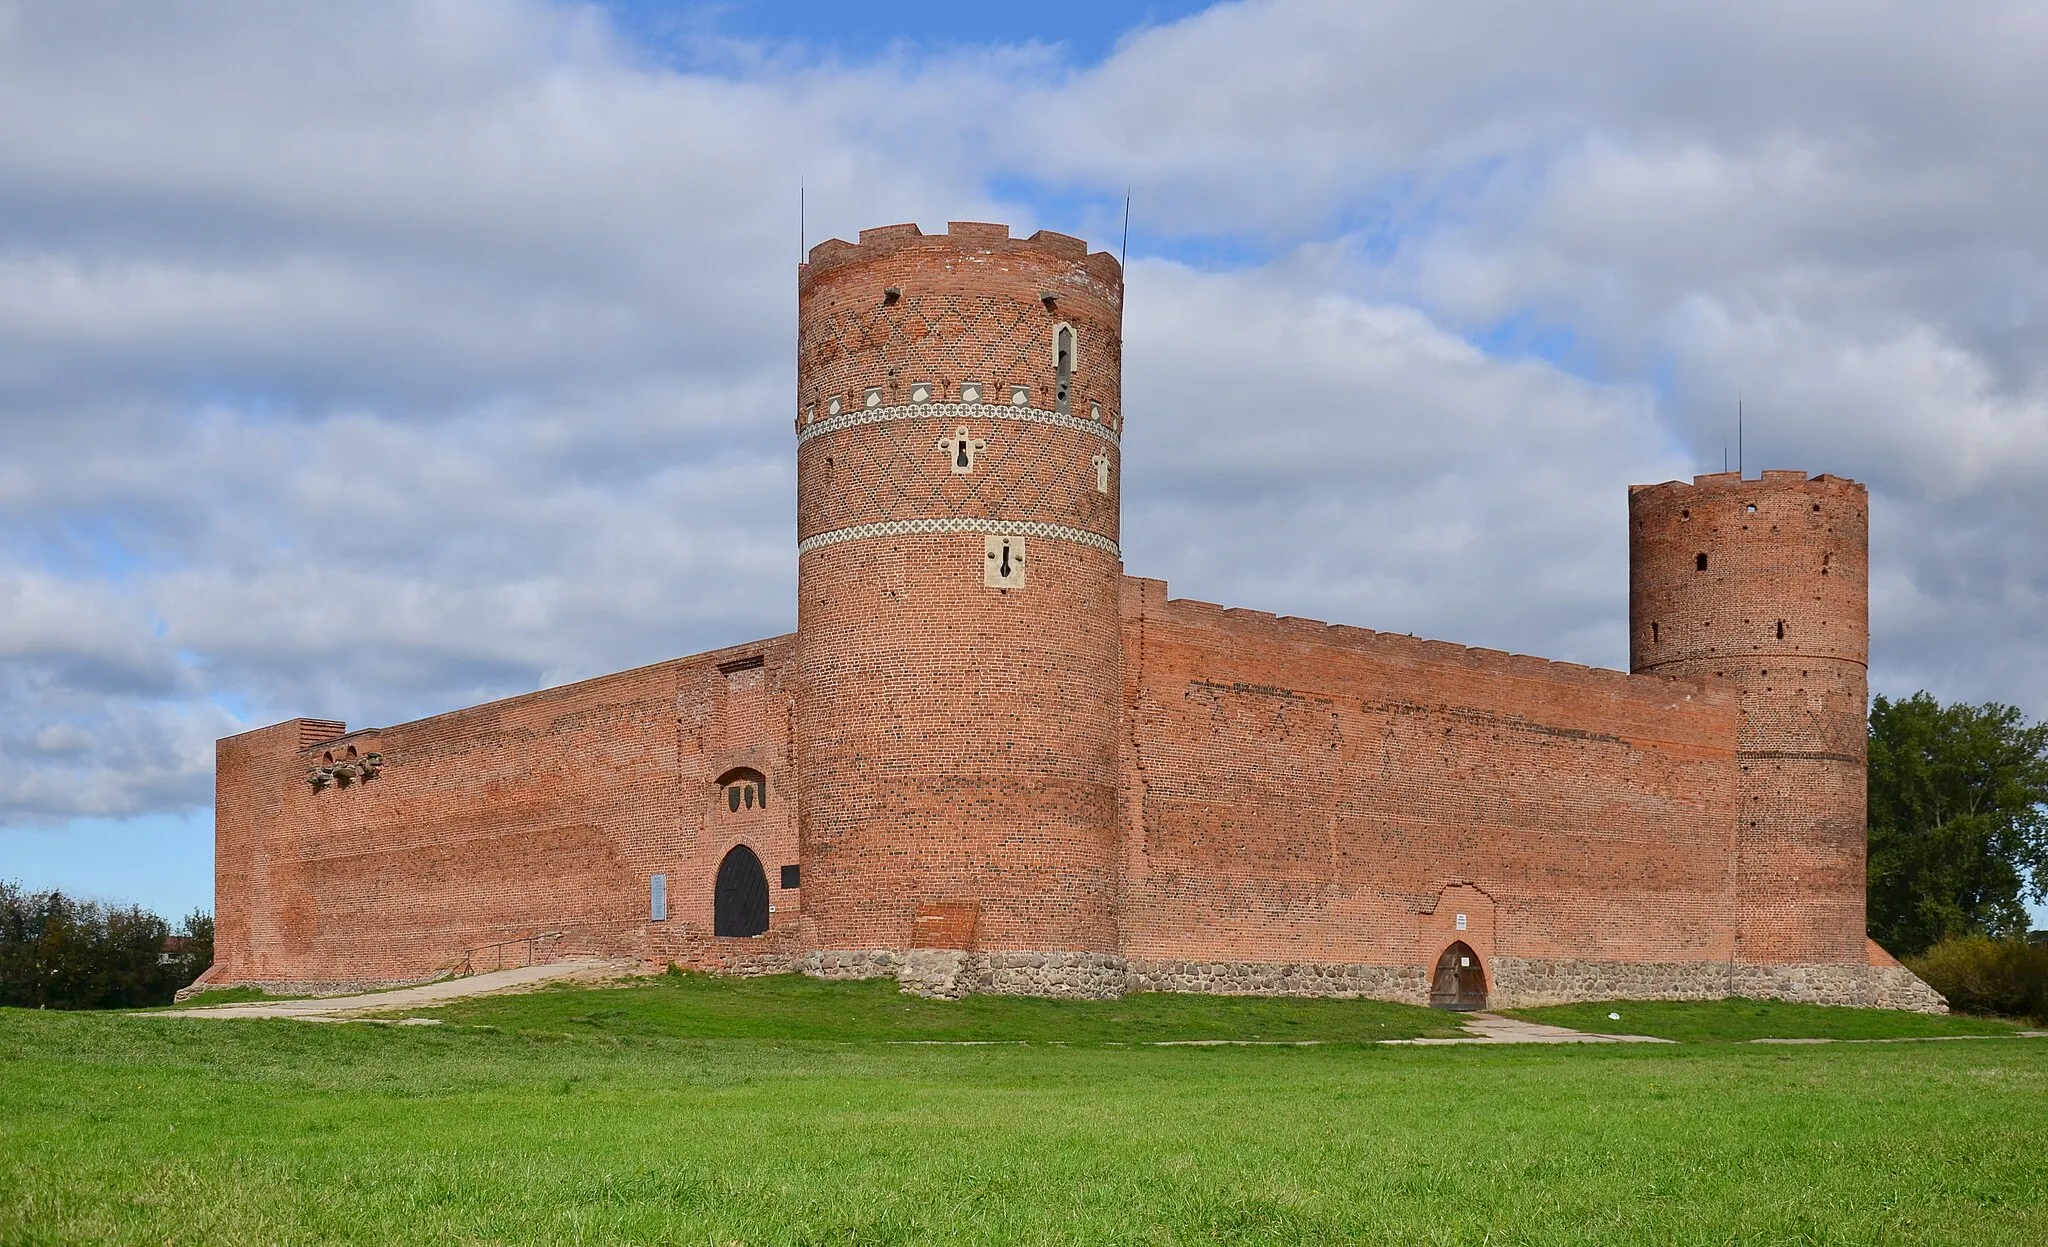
[990,761]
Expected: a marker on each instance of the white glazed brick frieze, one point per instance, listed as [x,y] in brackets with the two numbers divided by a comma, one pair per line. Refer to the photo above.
[953,411]
[1015,528]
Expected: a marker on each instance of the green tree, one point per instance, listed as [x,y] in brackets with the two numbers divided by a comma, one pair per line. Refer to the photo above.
[1958,827]
[58,952]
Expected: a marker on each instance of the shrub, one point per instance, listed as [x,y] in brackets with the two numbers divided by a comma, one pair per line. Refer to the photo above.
[59,952]
[1980,975]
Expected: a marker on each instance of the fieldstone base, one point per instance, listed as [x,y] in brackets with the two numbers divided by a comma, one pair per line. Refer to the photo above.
[1406,984]
[1521,982]
[950,973]
[1085,976]
[867,963]
[937,973]
[1514,982]
[1896,987]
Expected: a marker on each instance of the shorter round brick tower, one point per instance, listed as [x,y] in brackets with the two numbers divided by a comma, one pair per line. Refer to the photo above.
[1766,583]
[959,411]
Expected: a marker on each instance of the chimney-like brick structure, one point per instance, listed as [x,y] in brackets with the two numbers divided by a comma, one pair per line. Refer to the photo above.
[1766,583]
[959,409]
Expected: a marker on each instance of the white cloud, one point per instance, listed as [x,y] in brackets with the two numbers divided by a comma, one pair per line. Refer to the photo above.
[369,360]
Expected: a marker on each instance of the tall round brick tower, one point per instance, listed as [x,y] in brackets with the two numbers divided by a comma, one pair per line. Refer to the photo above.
[959,406]
[1766,583]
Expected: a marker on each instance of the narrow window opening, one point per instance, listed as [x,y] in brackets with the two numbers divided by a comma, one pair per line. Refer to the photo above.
[1750,509]
[1699,562]
[1781,629]
[1685,514]
[891,296]
[1653,634]
[657,898]
[744,788]
[1063,370]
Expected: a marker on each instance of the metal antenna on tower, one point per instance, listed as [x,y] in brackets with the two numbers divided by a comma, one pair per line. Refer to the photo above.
[1124,252]
[1738,434]
[803,232]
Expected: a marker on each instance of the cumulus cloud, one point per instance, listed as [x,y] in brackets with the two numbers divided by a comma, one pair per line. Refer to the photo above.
[364,361]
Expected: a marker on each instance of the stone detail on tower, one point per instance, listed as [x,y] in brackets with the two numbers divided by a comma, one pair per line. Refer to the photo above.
[1765,583]
[961,448]
[1003,566]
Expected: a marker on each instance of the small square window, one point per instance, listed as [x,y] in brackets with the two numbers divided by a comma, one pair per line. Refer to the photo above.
[791,876]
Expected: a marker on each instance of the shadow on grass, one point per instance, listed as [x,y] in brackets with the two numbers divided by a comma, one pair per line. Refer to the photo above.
[1742,1021]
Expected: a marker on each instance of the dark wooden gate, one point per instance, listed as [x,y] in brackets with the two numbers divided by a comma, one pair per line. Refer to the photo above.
[739,901]
[1460,981]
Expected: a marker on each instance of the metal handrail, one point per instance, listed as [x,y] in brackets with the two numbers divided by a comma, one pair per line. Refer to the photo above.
[531,943]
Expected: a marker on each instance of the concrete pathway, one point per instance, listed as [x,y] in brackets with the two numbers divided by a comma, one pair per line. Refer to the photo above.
[1491,1028]
[342,1008]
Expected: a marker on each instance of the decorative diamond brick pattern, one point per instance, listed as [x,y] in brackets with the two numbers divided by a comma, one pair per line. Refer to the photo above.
[897,471]
[971,411]
[901,528]
[945,339]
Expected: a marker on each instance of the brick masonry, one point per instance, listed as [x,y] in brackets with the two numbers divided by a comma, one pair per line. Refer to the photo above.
[989,761]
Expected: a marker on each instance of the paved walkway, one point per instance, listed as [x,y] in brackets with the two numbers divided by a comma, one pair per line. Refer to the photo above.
[1490,1028]
[341,1008]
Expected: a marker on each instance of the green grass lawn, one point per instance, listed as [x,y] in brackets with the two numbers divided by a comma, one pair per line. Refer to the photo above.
[1739,1021]
[543,1128]
[791,1006]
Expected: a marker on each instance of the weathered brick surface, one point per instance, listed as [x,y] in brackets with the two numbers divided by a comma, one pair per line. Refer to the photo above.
[1073,785]
[1308,793]
[527,828]
[1780,610]
[958,742]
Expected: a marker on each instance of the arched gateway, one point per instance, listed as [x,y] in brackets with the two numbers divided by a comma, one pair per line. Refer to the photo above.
[739,901]
[1460,981]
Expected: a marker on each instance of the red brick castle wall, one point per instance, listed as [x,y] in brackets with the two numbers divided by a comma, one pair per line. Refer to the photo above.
[987,760]
[1310,793]
[1766,584]
[958,729]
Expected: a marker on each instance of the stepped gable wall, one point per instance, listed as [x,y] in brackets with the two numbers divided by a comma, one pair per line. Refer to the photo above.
[1301,792]
[541,816]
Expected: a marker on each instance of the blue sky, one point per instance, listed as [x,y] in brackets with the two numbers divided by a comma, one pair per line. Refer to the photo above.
[366,361]
[1086,32]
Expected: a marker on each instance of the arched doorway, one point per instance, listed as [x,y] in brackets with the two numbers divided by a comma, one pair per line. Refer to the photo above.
[1460,981]
[739,901]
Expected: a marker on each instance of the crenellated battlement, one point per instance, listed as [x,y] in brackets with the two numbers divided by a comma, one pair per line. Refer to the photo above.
[1149,598]
[1732,483]
[835,254]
